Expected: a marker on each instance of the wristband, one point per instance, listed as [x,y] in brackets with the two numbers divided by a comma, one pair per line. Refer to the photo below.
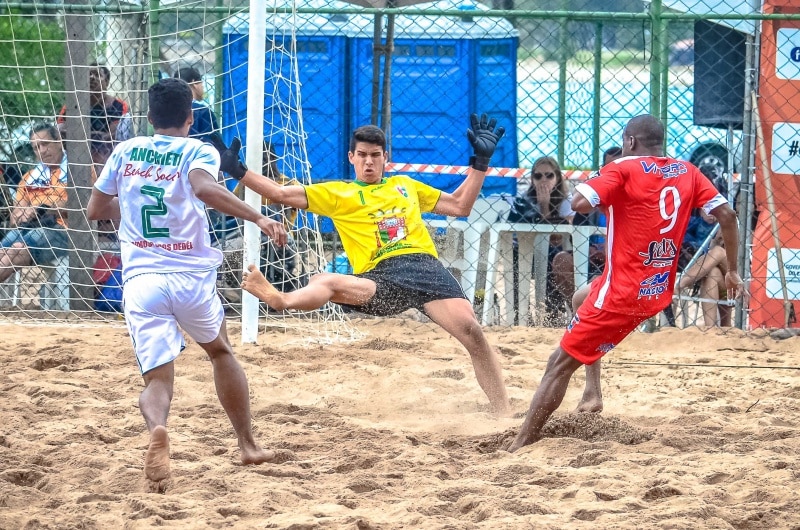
[480,163]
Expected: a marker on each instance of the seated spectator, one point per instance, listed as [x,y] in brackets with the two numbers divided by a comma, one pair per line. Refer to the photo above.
[700,226]
[107,113]
[708,273]
[563,264]
[205,121]
[545,201]
[37,217]
[705,259]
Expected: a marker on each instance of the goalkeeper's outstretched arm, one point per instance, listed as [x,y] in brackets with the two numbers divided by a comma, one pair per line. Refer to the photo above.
[291,195]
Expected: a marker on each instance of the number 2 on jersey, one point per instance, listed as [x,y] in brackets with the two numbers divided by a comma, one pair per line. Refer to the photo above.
[150,210]
[670,217]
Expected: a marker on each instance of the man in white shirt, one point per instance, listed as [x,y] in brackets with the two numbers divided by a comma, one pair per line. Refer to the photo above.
[158,187]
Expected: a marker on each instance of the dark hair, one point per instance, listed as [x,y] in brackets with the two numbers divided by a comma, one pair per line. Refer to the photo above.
[51,129]
[188,74]
[559,192]
[615,152]
[170,103]
[369,134]
[104,71]
[717,177]
[101,141]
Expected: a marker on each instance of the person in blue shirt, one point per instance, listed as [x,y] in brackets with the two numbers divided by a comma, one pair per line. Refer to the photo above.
[205,121]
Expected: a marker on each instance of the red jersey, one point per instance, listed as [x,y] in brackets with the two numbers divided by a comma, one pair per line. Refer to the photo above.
[648,201]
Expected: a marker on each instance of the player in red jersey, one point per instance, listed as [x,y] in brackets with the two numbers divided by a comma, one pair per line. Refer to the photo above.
[648,199]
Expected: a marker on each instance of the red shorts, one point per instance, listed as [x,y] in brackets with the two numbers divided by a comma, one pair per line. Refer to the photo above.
[595,332]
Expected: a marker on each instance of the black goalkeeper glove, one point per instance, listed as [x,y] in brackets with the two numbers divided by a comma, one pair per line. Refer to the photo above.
[229,157]
[483,137]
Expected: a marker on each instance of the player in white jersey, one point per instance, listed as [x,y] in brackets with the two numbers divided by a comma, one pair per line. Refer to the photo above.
[158,187]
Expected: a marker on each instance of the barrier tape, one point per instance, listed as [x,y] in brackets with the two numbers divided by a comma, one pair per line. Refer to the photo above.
[512,172]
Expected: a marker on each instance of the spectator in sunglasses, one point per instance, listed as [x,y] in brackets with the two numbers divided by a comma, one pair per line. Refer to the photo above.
[545,201]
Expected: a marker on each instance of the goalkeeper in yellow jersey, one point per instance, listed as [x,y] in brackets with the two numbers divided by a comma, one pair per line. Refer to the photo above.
[379,220]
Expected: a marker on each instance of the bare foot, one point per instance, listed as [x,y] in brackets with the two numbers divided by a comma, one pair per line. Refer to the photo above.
[254,283]
[156,461]
[521,441]
[590,405]
[254,455]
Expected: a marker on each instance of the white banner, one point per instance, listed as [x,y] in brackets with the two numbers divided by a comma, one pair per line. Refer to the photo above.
[787,60]
[791,268]
[786,148]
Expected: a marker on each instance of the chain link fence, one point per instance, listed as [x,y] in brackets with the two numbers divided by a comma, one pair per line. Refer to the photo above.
[563,83]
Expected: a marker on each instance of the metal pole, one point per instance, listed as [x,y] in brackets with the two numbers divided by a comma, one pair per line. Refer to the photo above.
[656,60]
[79,186]
[256,70]
[598,71]
[745,204]
[377,53]
[663,97]
[562,90]
[218,61]
[155,42]
[386,100]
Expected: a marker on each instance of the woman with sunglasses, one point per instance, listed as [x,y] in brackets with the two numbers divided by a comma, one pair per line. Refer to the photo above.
[545,201]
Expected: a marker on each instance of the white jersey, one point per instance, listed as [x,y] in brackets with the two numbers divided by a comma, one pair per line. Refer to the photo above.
[164,226]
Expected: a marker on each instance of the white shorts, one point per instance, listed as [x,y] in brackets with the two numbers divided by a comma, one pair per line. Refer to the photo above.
[156,304]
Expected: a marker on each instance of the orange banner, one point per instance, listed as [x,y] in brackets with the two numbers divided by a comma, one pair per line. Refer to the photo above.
[779,113]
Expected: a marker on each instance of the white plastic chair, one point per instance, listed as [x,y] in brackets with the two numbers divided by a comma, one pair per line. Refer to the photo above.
[462,247]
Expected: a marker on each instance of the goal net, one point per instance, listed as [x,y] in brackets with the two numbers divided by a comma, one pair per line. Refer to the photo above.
[73,84]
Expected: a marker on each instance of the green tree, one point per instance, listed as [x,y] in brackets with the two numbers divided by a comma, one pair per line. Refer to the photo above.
[31,68]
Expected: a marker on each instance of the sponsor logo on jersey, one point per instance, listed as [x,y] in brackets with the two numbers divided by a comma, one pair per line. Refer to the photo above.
[402,191]
[606,347]
[391,230]
[660,253]
[142,154]
[655,285]
[670,171]
[574,322]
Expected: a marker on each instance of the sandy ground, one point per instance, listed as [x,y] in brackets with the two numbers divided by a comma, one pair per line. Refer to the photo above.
[392,431]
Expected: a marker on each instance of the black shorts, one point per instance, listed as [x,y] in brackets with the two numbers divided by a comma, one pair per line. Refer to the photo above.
[406,281]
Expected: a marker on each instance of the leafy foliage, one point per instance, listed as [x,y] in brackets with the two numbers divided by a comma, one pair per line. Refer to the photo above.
[31,68]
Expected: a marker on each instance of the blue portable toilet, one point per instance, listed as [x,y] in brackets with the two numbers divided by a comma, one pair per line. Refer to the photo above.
[322,61]
[443,69]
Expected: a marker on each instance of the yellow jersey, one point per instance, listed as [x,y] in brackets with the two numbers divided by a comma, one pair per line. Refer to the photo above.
[377,221]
